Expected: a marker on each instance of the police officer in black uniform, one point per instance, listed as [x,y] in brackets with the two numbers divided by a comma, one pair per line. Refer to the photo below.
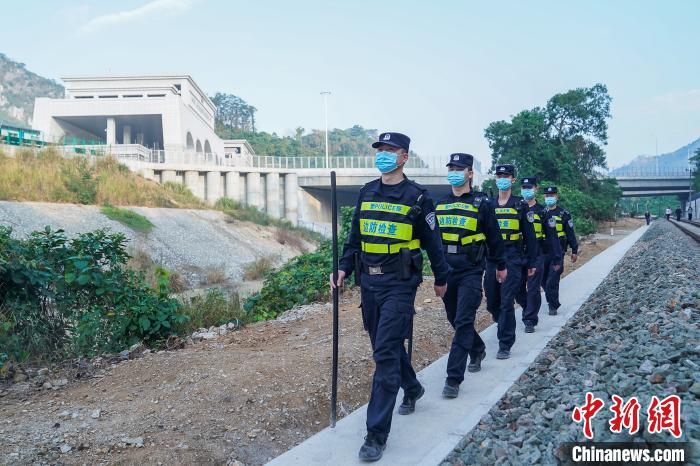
[518,234]
[529,296]
[469,228]
[563,223]
[394,218]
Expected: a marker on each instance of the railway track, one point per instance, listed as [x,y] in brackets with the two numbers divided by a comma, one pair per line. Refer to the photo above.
[691,229]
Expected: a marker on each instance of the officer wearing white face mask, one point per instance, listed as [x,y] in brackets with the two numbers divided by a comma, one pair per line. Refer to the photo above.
[394,219]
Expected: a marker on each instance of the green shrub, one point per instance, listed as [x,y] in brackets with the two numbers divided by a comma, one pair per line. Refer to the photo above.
[128,218]
[302,280]
[65,298]
[212,309]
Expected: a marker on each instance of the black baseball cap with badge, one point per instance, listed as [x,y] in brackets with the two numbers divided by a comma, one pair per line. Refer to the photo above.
[398,140]
[550,190]
[505,169]
[529,182]
[460,160]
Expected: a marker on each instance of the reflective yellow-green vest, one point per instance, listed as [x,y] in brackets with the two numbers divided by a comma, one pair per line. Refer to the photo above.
[459,223]
[539,234]
[509,222]
[385,227]
[560,226]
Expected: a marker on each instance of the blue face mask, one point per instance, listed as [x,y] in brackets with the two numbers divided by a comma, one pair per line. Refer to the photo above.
[385,161]
[503,184]
[550,201]
[528,193]
[455,178]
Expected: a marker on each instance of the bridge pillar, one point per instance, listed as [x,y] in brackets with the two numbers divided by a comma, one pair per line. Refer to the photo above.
[213,187]
[126,137]
[168,175]
[291,202]
[252,188]
[148,173]
[272,194]
[191,178]
[111,131]
[232,186]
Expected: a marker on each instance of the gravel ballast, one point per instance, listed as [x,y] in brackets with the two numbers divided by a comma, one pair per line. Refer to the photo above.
[637,335]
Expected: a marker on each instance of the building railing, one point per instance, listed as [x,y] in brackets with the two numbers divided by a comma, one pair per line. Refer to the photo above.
[652,172]
[142,154]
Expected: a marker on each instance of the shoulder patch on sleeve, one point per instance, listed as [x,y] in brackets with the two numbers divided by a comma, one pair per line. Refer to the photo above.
[430,220]
[571,222]
[531,216]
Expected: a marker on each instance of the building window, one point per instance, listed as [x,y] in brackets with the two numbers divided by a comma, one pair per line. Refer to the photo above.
[178,87]
[237,150]
[108,96]
[132,95]
[156,95]
[83,97]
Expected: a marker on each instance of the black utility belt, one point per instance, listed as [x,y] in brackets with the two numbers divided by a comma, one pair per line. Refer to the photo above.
[460,249]
[392,267]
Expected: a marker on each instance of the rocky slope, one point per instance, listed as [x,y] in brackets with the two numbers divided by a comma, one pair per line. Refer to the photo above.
[190,241]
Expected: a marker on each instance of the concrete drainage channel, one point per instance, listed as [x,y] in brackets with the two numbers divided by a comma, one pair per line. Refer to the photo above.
[529,423]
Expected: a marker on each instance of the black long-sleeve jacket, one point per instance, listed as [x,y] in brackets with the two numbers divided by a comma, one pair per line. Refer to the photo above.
[426,228]
[526,220]
[488,225]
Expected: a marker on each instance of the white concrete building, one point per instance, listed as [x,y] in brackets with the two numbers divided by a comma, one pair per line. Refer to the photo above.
[169,113]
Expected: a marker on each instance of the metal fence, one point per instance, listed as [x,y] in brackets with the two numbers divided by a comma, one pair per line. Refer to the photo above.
[650,172]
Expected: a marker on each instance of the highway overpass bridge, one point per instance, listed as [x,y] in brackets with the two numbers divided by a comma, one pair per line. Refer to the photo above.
[298,188]
[294,188]
[648,183]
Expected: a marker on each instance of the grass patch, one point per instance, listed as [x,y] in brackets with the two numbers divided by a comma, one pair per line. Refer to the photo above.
[47,176]
[128,218]
[240,212]
[258,268]
[214,275]
[212,309]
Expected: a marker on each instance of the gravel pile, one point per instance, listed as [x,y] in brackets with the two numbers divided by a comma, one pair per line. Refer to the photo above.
[638,335]
[188,241]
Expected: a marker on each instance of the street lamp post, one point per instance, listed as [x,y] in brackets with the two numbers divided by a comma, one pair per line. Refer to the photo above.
[325,95]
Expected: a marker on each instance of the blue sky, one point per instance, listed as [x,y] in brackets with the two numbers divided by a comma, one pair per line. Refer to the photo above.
[438,71]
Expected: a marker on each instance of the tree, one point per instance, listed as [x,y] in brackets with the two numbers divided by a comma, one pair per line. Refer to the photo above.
[562,143]
[695,167]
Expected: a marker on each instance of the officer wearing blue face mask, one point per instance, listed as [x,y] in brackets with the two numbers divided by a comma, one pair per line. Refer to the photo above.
[529,296]
[394,218]
[469,230]
[561,220]
[518,233]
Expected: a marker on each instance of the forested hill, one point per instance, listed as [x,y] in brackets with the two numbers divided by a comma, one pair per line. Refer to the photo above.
[235,119]
[676,160]
[18,89]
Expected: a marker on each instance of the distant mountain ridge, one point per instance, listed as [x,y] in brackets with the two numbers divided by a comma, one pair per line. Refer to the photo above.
[677,159]
[18,89]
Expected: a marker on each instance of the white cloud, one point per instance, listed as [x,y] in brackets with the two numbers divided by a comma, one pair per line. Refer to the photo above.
[128,16]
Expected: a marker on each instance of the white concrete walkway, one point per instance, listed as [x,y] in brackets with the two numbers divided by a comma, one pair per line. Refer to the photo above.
[428,435]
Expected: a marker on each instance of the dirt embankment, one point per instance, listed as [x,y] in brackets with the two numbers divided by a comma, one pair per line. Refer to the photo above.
[190,241]
[247,396]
